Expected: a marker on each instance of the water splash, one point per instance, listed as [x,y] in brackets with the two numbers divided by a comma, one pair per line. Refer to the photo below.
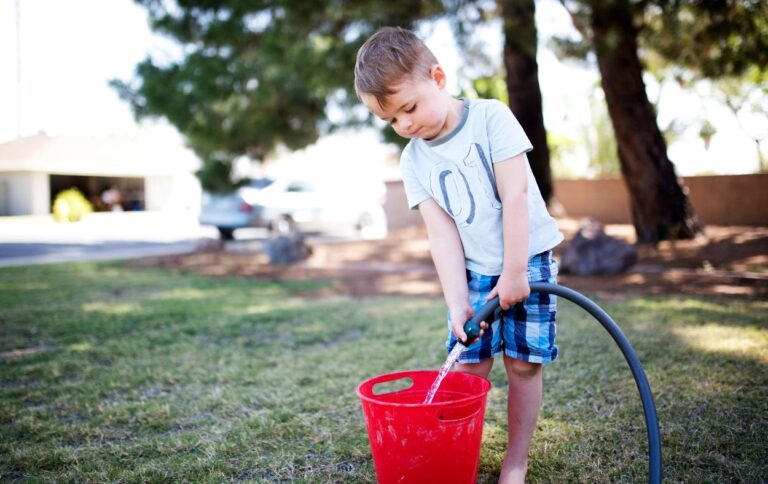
[452,357]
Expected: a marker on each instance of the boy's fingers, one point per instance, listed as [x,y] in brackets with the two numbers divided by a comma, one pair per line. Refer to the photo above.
[494,292]
[479,335]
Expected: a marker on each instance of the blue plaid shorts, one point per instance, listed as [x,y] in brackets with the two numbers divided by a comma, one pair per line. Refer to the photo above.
[527,330]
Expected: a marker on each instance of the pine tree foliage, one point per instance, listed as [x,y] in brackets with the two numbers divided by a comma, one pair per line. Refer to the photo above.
[257,74]
[713,38]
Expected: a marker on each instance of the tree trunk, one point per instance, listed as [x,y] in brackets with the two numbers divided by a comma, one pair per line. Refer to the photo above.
[660,207]
[520,43]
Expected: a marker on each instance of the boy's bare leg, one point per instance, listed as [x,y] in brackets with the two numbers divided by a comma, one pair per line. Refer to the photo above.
[482,369]
[523,406]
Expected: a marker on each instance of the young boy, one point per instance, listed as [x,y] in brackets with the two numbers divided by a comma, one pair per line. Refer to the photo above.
[489,231]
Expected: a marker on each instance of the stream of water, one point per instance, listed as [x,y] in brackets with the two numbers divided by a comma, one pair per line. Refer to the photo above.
[452,357]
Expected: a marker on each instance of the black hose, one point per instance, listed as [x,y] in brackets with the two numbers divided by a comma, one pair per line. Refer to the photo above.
[472,327]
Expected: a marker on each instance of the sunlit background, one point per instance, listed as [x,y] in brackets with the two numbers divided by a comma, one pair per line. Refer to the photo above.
[55,74]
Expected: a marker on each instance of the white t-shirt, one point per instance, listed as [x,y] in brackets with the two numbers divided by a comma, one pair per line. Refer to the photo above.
[456,171]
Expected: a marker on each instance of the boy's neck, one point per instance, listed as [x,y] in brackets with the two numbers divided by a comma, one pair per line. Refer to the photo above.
[455,112]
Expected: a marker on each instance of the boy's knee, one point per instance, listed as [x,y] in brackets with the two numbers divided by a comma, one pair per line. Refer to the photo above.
[482,368]
[522,369]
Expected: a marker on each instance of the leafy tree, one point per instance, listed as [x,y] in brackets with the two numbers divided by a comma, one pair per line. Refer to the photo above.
[560,146]
[747,95]
[490,87]
[664,73]
[659,206]
[520,74]
[522,69]
[714,38]
[600,140]
[725,41]
[257,74]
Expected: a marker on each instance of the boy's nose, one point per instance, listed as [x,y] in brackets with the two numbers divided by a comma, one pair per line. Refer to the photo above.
[405,123]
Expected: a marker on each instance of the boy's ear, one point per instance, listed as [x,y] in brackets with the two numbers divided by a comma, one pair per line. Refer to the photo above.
[437,74]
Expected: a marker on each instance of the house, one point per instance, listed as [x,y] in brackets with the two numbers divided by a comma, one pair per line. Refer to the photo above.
[144,175]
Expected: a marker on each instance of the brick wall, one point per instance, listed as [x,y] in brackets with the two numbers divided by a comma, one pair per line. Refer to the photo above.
[717,200]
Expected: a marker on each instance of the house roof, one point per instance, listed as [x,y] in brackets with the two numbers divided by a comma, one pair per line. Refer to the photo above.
[104,156]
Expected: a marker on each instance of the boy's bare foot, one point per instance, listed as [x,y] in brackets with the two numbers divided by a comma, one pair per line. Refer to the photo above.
[512,474]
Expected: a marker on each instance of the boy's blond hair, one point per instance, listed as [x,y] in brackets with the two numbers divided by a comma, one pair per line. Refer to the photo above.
[390,56]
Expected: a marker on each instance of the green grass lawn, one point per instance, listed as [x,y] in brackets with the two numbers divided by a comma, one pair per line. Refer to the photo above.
[111,373]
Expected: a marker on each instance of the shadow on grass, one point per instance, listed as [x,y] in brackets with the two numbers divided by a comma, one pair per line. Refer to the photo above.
[711,400]
[149,375]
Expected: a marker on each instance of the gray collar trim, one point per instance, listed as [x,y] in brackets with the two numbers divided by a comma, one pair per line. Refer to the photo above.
[462,121]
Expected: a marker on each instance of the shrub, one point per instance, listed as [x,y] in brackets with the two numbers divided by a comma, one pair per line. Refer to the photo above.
[70,206]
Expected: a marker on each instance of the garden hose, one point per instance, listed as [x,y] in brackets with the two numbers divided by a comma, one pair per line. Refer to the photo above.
[472,329]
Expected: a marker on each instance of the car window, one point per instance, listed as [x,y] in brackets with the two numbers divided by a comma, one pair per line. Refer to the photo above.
[260,182]
[298,187]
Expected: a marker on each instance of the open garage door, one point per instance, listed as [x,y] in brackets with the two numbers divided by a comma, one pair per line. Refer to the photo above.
[105,193]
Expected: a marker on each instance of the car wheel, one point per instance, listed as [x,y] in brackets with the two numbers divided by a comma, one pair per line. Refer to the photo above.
[369,227]
[226,233]
[284,225]
[365,220]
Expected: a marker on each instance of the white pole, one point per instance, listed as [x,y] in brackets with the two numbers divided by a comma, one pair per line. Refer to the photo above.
[18,69]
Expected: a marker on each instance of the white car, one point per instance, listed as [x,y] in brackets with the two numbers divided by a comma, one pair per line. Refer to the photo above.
[308,206]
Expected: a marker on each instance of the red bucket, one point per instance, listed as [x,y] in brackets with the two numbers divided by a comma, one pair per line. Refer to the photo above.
[413,442]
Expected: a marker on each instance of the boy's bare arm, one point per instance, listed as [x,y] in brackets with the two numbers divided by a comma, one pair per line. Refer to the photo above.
[448,255]
[512,183]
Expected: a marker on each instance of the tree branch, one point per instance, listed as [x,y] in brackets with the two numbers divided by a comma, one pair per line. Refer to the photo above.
[577,23]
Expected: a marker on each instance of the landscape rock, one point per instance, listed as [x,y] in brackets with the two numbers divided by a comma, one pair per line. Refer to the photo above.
[592,252]
[287,249]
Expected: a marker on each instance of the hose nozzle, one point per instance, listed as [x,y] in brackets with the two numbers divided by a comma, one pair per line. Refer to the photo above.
[472,327]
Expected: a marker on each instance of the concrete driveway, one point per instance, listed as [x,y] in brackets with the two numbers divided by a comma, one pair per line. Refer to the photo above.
[99,236]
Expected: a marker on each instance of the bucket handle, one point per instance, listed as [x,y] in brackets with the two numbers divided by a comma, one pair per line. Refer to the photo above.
[391,378]
[459,414]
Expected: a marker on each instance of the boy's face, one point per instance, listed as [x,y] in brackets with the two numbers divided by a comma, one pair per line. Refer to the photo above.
[418,109]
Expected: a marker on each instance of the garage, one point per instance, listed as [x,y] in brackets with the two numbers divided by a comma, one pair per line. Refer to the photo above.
[113,173]
[106,194]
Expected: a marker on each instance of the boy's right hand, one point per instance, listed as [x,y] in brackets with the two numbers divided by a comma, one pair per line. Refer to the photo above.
[460,315]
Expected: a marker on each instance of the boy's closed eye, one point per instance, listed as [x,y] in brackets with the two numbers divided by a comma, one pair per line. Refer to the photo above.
[410,110]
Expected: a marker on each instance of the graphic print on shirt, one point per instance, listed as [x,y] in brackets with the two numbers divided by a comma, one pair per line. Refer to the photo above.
[452,192]
[483,170]
[455,185]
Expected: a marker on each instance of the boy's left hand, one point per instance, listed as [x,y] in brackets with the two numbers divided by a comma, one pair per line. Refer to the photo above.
[511,289]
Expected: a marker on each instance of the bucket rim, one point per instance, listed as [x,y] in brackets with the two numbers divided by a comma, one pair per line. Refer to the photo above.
[405,373]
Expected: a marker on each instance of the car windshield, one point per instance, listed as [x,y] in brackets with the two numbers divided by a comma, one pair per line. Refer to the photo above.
[260,182]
